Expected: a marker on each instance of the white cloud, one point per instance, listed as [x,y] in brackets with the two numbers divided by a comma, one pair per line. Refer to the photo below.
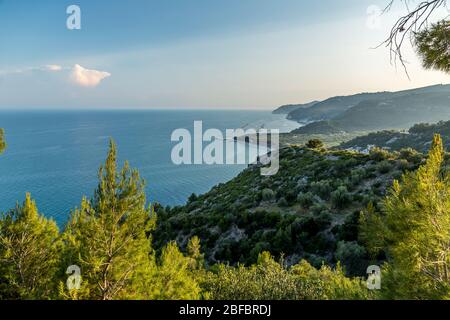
[53,67]
[46,68]
[87,78]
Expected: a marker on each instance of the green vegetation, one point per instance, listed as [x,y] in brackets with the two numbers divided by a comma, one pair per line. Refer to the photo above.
[268,280]
[332,107]
[433,46]
[30,249]
[286,109]
[315,144]
[110,239]
[417,138]
[414,230]
[303,213]
[377,111]
[107,236]
[307,233]
[329,140]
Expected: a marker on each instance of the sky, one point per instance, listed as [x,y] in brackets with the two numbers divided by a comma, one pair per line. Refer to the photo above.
[197,53]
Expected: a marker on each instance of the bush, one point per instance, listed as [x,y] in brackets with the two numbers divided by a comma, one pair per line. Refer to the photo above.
[351,255]
[306,200]
[267,195]
[384,167]
[403,165]
[410,155]
[340,198]
[357,175]
[314,144]
[323,219]
[322,188]
[283,202]
[270,280]
[192,198]
[379,154]
[318,208]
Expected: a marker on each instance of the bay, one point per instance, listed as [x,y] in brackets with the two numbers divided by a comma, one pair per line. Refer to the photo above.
[55,155]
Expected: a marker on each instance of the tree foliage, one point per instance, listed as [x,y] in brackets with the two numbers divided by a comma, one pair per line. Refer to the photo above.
[431,41]
[174,279]
[29,253]
[271,280]
[415,232]
[433,46]
[315,144]
[108,236]
[110,239]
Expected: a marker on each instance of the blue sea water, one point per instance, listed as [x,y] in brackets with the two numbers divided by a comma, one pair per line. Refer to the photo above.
[55,155]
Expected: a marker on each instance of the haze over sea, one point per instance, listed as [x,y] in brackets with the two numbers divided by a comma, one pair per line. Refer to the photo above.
[55,155]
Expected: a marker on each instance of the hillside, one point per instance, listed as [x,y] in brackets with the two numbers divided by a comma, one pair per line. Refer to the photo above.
[309,210]
[399,112]
[418,137]
[356,112]
[286,109]
[332,107]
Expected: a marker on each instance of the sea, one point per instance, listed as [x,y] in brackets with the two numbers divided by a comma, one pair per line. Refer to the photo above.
[55,155]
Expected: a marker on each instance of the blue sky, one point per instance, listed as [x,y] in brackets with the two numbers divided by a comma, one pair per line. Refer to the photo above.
[193,53]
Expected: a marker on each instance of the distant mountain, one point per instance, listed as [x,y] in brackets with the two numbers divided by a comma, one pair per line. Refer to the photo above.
[379,111]
[418,137]
[286,109]
[331,107]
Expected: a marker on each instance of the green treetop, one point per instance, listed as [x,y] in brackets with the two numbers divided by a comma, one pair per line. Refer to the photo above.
[29,253]
[433,46]
[108,237]
[415,232]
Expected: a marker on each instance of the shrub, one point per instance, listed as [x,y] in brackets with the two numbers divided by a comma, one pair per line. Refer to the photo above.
[351,255]
[403,165]
[340,198]
[322,188]
[410,155]
[357,175]
[270,280]
[323,219]
[314,144]
[318,208]
[306,200]
[192,198]
[267,195]
[283,202]
[384,167]
[379,154]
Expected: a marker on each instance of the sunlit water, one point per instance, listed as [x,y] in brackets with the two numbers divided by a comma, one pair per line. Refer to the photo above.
[56,155]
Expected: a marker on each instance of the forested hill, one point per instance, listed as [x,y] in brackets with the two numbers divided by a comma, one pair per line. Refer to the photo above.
[309,210]
[417,137]
[286,109]
[376,111]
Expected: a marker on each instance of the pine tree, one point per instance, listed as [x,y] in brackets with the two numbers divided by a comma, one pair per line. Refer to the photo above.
[108,237]
[175,279]
[433,46]
[29,253]
[415,229]
[371,231]
[197,259]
